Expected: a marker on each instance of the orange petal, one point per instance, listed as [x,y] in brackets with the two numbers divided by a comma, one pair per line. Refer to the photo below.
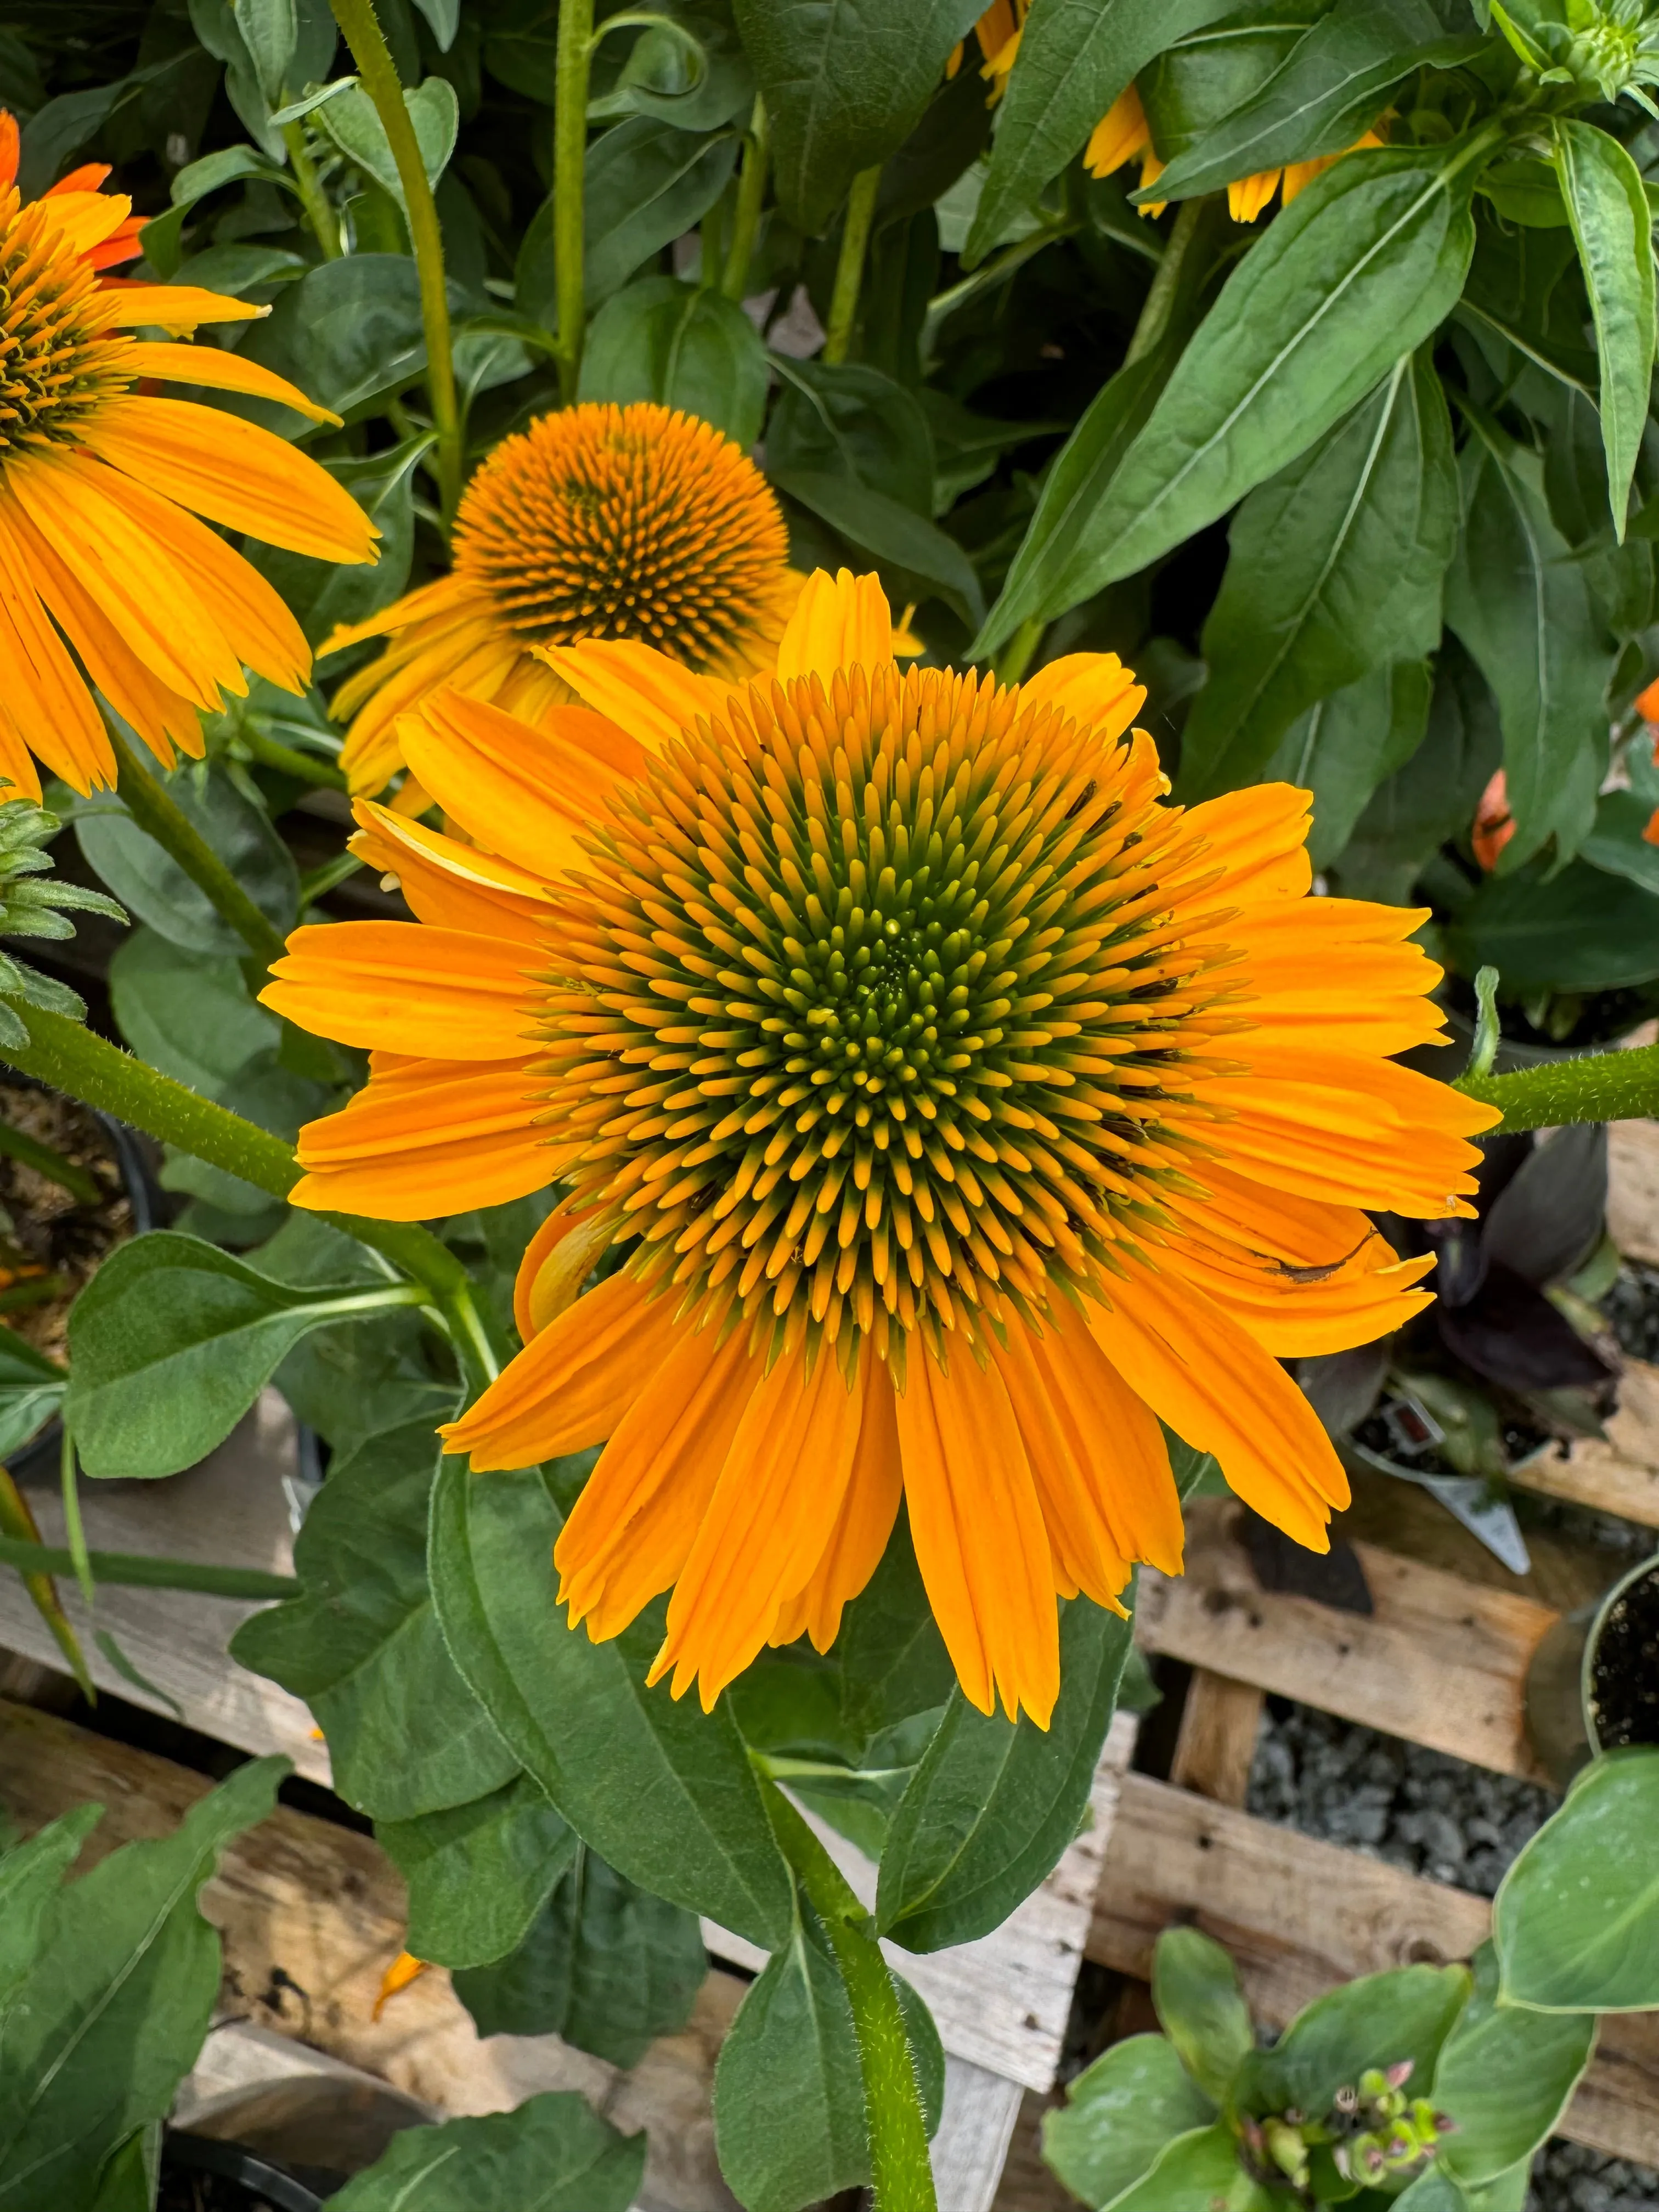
[46,694]
[426,1139]
[402,987]
[841,621]
[1120,134]
[452,886]
[556,1262]
[175,308]
[214,369]
[404,1969]
[875,1490]
[1093,689]
[1260,836]
[654,699]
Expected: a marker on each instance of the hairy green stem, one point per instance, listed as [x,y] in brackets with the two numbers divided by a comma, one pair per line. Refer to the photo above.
[135,1570]
[158,814]
[313,198]
[849,264]
[378,75]
[752,191]
[308,767]
[1160,300]
[19,1534]
[30,1153]
[1607,1086]
[901,2172]
[573,61]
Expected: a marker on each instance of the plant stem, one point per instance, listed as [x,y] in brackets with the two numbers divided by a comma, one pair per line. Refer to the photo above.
[379,74]
[752,191]
[325,878]
[849,265]
[309,768]
[901,2173]
[134,1571]
[30,1154]
[1607,1087]
[986,277]
[74,1533]
[1161,297]
[313,198]
[1015,657]
[158,813]
[573,60]
[33,1290]
[19,1534]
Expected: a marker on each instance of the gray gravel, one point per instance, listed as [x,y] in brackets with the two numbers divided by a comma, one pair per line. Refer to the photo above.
[1566,2177]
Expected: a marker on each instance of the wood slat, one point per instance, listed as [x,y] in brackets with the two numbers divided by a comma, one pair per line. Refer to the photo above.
[1633,1188]
[1216,1742]
[1300,1915]
[1440,1661]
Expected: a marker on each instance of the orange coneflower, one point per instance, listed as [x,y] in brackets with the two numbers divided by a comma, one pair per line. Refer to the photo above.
[600,521]
[960,1110]
[103,562]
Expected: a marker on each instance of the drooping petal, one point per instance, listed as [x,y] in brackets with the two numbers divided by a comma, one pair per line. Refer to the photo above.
[214,369]
[875,1491]
[556,1262]
[453,885]
[430,1138]
[642,691]
[839,621]
[403,987]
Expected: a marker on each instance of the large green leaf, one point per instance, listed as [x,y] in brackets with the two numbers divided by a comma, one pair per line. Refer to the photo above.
[1335,567]
[188,1014]
[1380,2020]
[348,334]
[1617,844]
[1613,227]
[646,185]
[1577,1919]
[789,2113]
[848,419]
[170,1344]
[155,888]
[1361,268]
[1198,2172]
[552,2153]
[661,1790]
[1345,747]
[1434,795]
[1506,2074]
[29,1875]
[684,345]
[351,121]
[1522,606]
[1579,930]
[894,535]
[1119,2114]
[478,1874]
[362,1646]
[1075,58]
[116,2002]
[994,1802]
[1332,84]
[32,1389]
[1201,2005]
[845,83]
[604,1964]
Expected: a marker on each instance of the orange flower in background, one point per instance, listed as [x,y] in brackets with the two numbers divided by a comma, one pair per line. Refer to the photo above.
[108,579]
[1494,825]
[1120,135]
[953,1106]
[597,521]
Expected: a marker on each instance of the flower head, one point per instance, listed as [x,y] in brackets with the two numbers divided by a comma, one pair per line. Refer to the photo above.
[957,1109]
[597,521]
[106,577]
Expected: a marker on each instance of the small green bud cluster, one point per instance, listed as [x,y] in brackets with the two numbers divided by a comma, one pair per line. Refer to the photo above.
[1392,2135]
[30,907]
[1605,47]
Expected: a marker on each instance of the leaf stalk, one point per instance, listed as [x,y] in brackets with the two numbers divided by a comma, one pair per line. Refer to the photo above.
[572,63]
[849,264]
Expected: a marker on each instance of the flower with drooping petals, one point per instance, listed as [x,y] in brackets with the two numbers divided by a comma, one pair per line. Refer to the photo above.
[597,521]
[107,578]
[949,1108]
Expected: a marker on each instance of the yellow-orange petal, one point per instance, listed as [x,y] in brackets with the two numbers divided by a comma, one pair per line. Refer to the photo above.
[452,886]
[650,697]
[1120,134]
[556,1262]
[841,621]
[46,694]
[426,1139]
[176,307]
[404,987]
[215,370]
[1260,836]
[875,1491]
[1248,196]
[1095,688]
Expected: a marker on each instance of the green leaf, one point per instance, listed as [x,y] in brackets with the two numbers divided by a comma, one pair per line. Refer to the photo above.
[348,334]
[1360,269]
[1119,2114]
[1527,190]
[30,1874]
[1522,604]
[1380,2019]
[661,1790]
[603,1963]
[170,1344]
[849,420]
[683,345]
[1617,845]
[478,1874]
[1578,930]
[1201,2005]
[1198,2172]
[789,2112]
[686,68]
[1613,228]
[1577,1918]
[552,2154]
[356,132]
[646,185]
[362,1646]
[1075,58]
[32,1389]
[1328,90]
[155,888]
[1433,797]
[895,537]
[1335,567]
[1345,747]
[321,594]
[270,32]
[117,2000]
[845,83]
[187,1013]
[995,1803]
[1506,2075]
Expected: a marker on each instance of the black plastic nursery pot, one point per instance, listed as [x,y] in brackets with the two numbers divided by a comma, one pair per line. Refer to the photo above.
[1593,1684]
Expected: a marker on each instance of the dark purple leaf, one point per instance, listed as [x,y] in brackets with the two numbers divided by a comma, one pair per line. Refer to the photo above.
[1547,1220]
[1514,1336]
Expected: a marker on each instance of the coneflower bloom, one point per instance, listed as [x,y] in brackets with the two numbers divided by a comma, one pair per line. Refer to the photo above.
[597,521]
[1123,133]
[947,1108]
[108,579]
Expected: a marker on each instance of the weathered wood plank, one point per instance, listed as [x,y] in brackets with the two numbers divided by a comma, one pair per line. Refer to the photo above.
[1633,1188]
[1216,1742]
[1300,1914]
[1439,1662]
[1621,1474]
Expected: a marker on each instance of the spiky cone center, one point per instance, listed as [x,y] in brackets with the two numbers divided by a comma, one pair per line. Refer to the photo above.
[873,1018]
[58,360]
[627,522]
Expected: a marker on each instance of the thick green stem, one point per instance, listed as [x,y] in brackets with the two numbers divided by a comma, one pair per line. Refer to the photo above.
[313,198]
[1015,657]
[901,2173]
[156,812]
[378,75]
[573,61]
[308,767]
[1161,298]
[135,1570]
[751,192]
[849,265]
[1607,1087]
[18,1533]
